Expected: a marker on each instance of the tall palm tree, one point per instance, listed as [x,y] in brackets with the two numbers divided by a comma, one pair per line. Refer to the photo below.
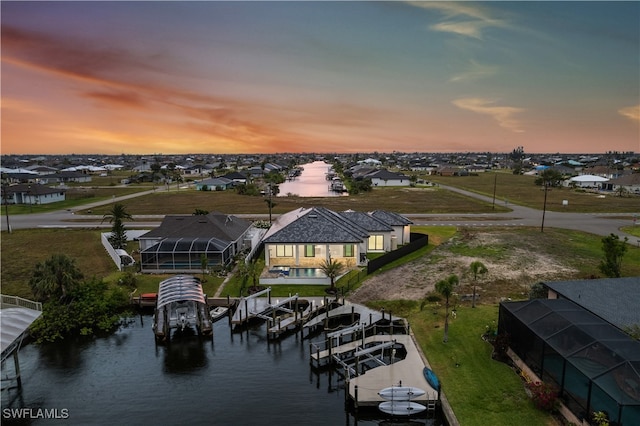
[332,269]
[445,287]
[477,268]
[56,276]
[116,215]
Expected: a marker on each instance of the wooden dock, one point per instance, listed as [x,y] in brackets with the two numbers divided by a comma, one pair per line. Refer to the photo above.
[363,389]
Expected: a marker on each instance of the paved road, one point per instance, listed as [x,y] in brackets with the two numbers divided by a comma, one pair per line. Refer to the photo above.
[598,224]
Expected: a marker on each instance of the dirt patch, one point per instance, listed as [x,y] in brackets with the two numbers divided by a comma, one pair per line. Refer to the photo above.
[514,262]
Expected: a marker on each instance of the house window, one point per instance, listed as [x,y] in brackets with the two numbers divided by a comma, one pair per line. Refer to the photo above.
[348,250]
[309,250]
[283,250]
[376,242]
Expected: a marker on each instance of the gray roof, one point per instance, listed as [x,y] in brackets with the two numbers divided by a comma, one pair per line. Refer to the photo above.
[213,225]
[393,219]
[314,225]
[366,221]
[616,300]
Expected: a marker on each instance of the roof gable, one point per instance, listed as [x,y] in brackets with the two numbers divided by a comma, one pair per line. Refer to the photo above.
[213,225]
[314,225]
[616,300]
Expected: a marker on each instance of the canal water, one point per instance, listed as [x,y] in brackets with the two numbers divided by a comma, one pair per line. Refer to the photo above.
[312,182]
[237,378]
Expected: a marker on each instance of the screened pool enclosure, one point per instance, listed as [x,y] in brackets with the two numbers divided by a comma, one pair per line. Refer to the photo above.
[594,364]
[186,255]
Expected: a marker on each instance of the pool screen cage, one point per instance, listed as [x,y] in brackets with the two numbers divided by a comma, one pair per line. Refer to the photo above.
[185,255]
[594,364]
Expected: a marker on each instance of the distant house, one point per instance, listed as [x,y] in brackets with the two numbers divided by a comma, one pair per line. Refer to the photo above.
[387,178]
[306,237]
[214,184]
[630,182]
[32,195]
[66,177]
[180,242]
[237,177]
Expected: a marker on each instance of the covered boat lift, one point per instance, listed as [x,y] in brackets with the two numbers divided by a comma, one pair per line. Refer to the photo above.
[181,304]
[16,316]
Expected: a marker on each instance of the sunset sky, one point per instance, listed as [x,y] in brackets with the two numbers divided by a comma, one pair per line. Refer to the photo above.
[265,77]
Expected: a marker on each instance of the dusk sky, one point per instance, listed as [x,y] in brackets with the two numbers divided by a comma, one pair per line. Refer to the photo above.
[266,77]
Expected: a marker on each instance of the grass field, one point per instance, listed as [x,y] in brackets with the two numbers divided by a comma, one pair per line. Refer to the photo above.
[405,200]
[520,189]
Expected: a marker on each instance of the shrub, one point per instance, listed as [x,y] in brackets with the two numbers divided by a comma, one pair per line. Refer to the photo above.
[545,396]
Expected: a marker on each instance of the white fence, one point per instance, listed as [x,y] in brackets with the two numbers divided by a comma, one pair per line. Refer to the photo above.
[131,235]
[19,301]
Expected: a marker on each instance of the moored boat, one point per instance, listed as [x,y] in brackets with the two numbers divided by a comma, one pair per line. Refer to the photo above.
[401,408]
[401,393]
[218,312]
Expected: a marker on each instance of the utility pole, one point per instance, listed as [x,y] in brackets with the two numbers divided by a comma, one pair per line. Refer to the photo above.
[6,206]
[495,181]
[544,208]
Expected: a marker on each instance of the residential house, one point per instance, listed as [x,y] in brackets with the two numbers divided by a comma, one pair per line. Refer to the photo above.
[630,182]
[236,177]
[575,340]
[180,242]
[385,177]
[214,184]
[31,194]
[307,236]
[66,177]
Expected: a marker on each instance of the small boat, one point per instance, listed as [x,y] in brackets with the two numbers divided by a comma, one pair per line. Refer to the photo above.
[401,408]
[218,312]
[432,379]
[401,393]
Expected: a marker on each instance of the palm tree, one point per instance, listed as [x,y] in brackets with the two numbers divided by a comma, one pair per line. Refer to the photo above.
[445,287]
[116,215]
[56,276]
[477,268]
[332,269]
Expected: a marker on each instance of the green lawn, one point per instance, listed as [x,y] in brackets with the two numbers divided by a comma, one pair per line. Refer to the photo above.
[480,390]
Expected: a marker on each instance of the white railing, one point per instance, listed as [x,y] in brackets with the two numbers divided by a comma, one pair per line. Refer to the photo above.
[23,303]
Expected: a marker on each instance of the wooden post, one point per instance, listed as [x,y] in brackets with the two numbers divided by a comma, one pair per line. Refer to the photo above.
[355,396]
[16,362]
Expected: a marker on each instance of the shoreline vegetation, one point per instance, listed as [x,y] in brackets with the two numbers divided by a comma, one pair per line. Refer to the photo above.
[480,390]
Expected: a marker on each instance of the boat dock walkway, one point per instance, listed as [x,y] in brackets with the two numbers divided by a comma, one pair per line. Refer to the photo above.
[359,314]
[363,389]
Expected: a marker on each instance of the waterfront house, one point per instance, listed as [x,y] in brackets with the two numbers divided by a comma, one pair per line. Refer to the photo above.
[180,242]
[306,237]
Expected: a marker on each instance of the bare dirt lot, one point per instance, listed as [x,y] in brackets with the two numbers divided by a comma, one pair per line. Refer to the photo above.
[514,262]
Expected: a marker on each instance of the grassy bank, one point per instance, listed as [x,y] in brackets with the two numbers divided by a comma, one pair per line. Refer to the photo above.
[481,391]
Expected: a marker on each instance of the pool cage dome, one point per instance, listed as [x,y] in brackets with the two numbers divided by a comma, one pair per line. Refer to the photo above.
[595,365]
[186,254]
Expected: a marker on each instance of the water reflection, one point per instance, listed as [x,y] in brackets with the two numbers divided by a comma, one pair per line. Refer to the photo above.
[185,352]
[312,182]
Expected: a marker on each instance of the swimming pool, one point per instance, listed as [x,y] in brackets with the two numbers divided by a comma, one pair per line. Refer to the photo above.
[306,272]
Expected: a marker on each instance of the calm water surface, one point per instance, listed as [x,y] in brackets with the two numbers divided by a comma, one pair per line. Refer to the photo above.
[312,182]
[235,378]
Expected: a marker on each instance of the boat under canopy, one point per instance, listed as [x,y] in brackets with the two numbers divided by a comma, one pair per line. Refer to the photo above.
[181,304]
